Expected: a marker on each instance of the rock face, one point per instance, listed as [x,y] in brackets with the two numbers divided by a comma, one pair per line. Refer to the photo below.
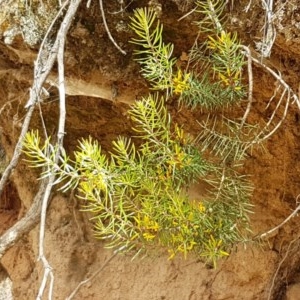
[94,71]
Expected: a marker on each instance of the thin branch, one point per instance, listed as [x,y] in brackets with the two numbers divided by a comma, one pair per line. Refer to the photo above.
[24,225]
[259,140]
[279,78]
[92,277]
[122,9]
[246,9]
[18,150]
[278,105]
[88,4]
[220,185]
[43,121]
[41,48]
[214,17]
[187,14]
[269,30]
[274,95]
[279,266]
[8,103]
[250,83]
[41,71]
[60,134]
[60,41]
[266,234]
[107,29]
[40,77]
[47,267]
[286,89]
[61,83]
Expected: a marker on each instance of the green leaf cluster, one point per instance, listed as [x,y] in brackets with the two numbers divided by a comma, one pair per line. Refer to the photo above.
[220,60]
[212,15]
[217,84]
[225,139]
[155,56]
[138,195]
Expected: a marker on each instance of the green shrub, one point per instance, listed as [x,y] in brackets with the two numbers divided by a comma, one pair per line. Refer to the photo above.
[139,194]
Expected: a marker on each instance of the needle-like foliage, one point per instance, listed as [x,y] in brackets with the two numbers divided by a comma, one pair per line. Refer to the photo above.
[212,15]
[220,60]
[138,195]
[155,56]
[226,140]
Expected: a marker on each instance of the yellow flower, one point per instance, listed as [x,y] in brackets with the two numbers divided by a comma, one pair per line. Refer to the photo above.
[223,41]
[186,247]
[154,226]
[191,216]
[180,82]
[146,224]
[171,254]
[148,236]
[231,79]
[223,253]
[201,207]
[224,79]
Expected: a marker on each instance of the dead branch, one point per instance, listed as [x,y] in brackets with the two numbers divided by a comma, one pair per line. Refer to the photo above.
[60,40]
[279,78]
[47,267]
[279,266]
[43,43]
[61,82]
[265,137]
[107,29]
[287,94]
[91,278]
[41,72]
[250,90]
[187,14]
[42,68]
[269,36]
[23,226]
[269,232]
[17,152]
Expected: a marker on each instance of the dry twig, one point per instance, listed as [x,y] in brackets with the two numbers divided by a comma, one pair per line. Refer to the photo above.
[279,266]
[60,41]
[287,94]
[23,226]
[90,278]
[250,90]
[107,29]
[269,232]
[18,150]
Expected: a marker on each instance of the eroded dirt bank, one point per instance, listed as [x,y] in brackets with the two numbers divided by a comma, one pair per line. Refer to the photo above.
[94,70]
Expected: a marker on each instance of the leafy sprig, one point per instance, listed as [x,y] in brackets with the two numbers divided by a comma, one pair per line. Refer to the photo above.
[155,56]
[138,195]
